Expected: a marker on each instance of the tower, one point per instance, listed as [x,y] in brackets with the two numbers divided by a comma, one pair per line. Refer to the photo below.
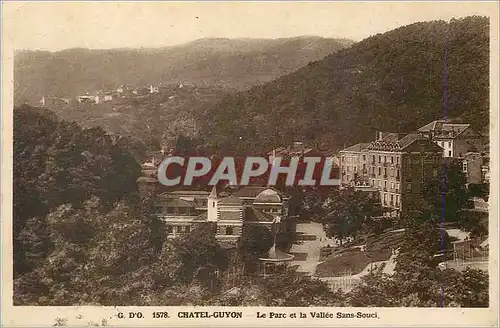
[212,212]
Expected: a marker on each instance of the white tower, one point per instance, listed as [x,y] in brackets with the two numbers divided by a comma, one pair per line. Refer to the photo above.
[212,206]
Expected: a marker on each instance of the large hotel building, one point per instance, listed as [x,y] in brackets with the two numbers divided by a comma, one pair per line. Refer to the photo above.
[394,166]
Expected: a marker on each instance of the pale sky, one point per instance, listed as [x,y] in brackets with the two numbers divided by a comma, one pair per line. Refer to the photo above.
[60,25]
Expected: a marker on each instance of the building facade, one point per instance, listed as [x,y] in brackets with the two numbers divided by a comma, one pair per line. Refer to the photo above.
[456,139]
[182,211]
[394,165]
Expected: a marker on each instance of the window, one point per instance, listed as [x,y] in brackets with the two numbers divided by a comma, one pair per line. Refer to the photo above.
[379,159]
[397,186]
[187,229]
[373,158]
[449,153]
[364,157]
[385,171]
[213,204]
[392,198]
[385,184]
[229,230]
[408,186]
[364,167]
[385,159]
[397,160]
[392,159]
[392,185]
[464,166]
[170,229]
[355,169]
[434,172]
[379,171]
[397,200]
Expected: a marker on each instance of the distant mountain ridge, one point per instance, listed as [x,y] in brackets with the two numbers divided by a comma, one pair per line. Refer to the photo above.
[231,63]
[396,81]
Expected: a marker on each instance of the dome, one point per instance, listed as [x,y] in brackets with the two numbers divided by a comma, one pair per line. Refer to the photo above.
[268,196]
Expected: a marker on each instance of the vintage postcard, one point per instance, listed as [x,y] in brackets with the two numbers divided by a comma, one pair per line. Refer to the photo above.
[249,163]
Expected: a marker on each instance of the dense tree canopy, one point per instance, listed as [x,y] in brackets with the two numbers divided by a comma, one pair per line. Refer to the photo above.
[57,162]
[347,212]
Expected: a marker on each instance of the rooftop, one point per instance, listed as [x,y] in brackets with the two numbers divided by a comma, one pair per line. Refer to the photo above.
[357,147]
[275,255]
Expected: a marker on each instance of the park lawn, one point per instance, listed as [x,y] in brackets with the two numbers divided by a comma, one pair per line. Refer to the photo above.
[353,261]
[349,262]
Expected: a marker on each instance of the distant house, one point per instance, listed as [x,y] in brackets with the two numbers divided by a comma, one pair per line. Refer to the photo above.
[51,101]
[153,89]
[103,97]
[297,149]
[456,139]
[87,99]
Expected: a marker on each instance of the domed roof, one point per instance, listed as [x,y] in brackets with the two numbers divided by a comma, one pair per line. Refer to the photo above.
[268,196]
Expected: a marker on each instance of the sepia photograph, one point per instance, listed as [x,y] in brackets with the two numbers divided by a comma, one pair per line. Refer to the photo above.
[204,158]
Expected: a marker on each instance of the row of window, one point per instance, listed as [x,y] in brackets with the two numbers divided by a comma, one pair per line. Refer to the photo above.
[179,229]
[386,159]
[444,144]
[390,200]
[383,184]
[270,210]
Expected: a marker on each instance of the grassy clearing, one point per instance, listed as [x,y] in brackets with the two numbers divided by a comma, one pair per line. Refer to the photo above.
[378,248]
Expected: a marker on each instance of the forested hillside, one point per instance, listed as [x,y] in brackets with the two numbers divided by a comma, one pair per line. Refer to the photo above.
[56,163]
[231,63]
[396,81]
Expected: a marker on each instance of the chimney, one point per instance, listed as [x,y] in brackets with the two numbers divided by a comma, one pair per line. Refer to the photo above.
[379,135]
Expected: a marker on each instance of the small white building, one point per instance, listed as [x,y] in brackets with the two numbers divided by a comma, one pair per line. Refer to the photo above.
[153,89]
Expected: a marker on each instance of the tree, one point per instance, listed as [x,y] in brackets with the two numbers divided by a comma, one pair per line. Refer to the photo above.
[481,190]
[195,257]
[92,253]
[291,289]
[447,195]
[347,211]
[255,242]
[56,163]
